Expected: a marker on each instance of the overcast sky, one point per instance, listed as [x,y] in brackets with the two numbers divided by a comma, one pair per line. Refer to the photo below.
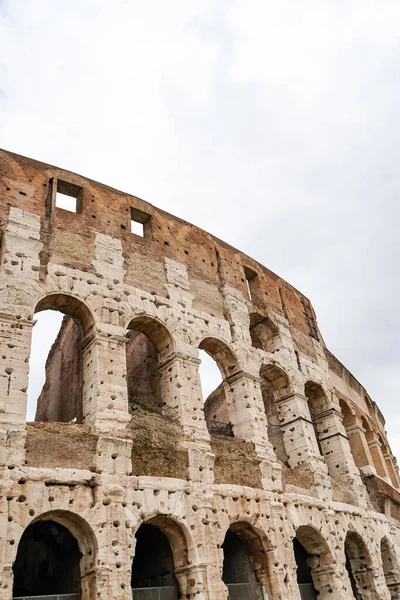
[273,124]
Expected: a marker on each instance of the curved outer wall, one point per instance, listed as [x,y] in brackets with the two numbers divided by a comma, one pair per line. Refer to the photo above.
[115,469]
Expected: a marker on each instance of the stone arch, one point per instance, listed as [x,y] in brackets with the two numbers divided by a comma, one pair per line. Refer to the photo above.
[157,333]
[317,404]
[264,333]
[149,347]
[315,564]
[62,396]
[69,542]
[374,442]
[356,437]
[359,567]
[390,568]
[216,409]
[69,305]
[163,546]
[247,561]
[349,416]
[222,354]
[275,385]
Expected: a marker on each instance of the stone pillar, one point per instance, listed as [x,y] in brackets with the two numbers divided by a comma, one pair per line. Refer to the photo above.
[249,423]
[359,446]
[192,582]
[182,397]
[19,278]
[105,394]
[375,448]
[6,574]
[15,343]
[183,403]
[336,450]
[300,439]
[327,580]
[391,469]
[105,400]
[298,430]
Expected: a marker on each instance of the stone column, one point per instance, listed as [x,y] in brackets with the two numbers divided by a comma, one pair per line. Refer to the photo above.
[105,394]
[7,553]
[192,582]
[336,450]
[359,446]
[181,393]
[19,278]
[249,423]
[15,345]
[327,579]
[300,439]
[375,448]
[391,469]
[105,399]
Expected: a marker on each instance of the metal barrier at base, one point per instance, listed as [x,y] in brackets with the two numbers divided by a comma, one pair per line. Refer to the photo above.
[307,591]
[52,597]
[155,593]
[245,591]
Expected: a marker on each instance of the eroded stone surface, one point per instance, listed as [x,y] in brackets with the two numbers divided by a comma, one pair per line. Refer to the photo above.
[147,456]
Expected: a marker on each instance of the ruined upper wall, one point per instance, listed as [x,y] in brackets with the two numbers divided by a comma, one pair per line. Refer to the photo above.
[69,240]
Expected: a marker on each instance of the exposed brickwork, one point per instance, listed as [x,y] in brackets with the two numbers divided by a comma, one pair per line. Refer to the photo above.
[141,451]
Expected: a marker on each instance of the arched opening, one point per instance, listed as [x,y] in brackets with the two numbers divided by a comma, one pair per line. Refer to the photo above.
[313,559]
[355,435]
[56,366]
[47,562]
[358,566]
[390,569]
[149,346]
[264,333]
[304,577]
[161,549]
[375,448]
[274,385]
[245,566]
[218,364]
[317,404]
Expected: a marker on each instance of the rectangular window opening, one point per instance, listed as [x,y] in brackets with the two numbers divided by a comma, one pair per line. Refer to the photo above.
[68,196]
[251,278]
[139,220]
[66,202]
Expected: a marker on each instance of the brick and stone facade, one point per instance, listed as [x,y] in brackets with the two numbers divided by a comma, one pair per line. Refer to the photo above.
[305,464]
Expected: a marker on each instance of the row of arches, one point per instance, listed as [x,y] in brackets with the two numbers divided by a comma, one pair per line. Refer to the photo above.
[149,347]
[57,555]
[367,445]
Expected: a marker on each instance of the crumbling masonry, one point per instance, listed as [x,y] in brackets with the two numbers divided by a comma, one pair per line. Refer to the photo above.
[281,486]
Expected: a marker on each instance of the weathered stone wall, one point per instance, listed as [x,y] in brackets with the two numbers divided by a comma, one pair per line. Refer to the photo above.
[133,462]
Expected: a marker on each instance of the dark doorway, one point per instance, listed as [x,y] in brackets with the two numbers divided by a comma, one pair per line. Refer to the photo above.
[153,566]
[304,577]
[238,573]
[47,561]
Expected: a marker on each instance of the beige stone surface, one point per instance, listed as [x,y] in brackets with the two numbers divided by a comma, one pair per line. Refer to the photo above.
[126,465]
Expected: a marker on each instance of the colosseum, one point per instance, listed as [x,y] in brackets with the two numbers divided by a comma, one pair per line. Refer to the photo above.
[129,484]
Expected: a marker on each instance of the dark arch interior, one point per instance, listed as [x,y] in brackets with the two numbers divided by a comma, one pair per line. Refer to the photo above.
[238,569]
[143,376]
[304,577]
[355,552]
[153,564]
[47,561]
